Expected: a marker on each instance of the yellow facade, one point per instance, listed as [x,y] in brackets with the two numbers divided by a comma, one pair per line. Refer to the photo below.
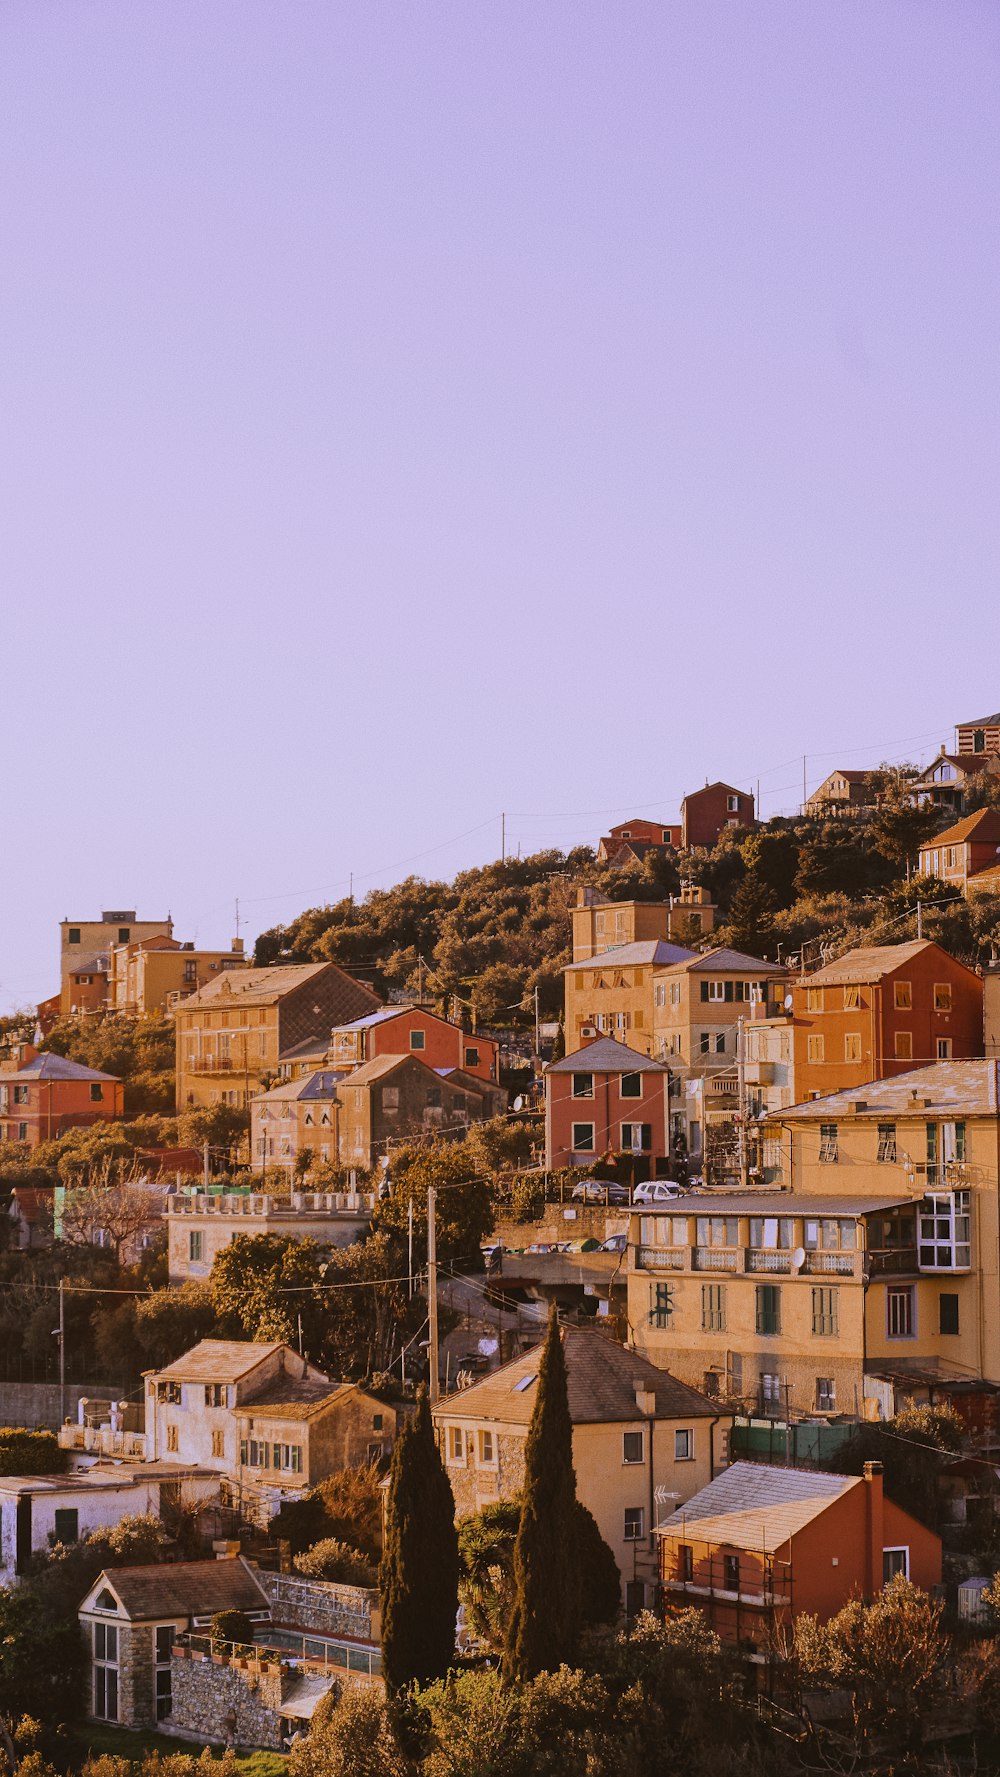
[151,981]
[82,940]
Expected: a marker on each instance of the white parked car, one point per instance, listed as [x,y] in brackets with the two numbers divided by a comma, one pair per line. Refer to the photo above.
[657,1191]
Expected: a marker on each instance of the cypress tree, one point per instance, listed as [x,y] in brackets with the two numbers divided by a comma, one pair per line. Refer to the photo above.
[418,1577]
[545,1619]
[559,1046]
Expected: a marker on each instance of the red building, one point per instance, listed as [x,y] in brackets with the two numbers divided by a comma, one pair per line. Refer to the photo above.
[607,1099]
[878,1012]
[706,813]
[964,851]
[759,1546]
[44,1095]
[637,837]
[413,1030]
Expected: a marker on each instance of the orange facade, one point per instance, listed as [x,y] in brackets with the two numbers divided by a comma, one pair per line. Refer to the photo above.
[413,1030]
[38,1109]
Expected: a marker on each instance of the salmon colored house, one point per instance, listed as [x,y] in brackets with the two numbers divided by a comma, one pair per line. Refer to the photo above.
[47,1094]
[875,1013]
[607,1098]
[412,1030]
[706,812]
[965,852]
[760,1546]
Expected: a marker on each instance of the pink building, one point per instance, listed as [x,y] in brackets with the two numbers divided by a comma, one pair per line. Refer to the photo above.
[44,1095]
[607,1099]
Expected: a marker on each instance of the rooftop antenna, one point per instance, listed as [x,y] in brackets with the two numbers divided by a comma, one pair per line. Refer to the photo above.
[237,916]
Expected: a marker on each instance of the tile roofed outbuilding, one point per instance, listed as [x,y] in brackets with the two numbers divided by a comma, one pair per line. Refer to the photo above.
[755,1506]
[606,1055]
[966,1087]
[639,954]
[602,1379]
[183,1589]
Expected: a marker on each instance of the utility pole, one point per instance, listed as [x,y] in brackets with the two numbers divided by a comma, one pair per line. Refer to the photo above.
[538,1038]
[741,1094]
[409,1245]
[432,1297]
[62,1350]
[920,919]
[204,1160]
[503,839]
[805,793]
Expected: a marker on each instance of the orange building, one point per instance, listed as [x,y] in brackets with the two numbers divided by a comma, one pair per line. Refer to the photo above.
[875,1013]
[412,1030]
[966,852]
[44,1095]
[759,1546]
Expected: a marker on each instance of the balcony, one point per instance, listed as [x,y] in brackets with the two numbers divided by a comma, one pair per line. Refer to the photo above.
[662,1258]
[759,1073]
[100,1440]
[761,1259]
[716,1258]
[252,1203]
[836,1264]
[220,1064]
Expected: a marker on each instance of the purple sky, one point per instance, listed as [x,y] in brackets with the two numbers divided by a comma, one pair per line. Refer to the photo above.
[415,411]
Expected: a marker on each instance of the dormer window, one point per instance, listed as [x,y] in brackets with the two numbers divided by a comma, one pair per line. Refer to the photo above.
[105,1600]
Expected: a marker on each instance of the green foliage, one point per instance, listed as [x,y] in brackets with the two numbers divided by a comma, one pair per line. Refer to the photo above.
[910,1468]
[41,1659]
[169,1321]
[139,1051]
[331,1559]
[31,1452]
[232,1625]
[545,1619]
[465,1204]
[600,1581]
[60,1576]
[345,1508]
[487,1540]
[356,1736]
[418,1576]
[889,1653]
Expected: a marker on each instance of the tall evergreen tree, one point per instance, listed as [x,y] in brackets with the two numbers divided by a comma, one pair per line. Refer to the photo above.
[418,1577]
[559,1045]
[545,1620]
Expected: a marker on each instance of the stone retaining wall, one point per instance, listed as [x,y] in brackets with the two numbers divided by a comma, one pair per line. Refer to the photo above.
[204,1693]
[317,1607]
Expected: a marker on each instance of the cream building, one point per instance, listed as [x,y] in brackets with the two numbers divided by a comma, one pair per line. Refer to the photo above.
[202,1224]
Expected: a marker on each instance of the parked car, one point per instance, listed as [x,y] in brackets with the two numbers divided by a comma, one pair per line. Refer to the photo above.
[599,1190]
[615,1243]
[657,1191]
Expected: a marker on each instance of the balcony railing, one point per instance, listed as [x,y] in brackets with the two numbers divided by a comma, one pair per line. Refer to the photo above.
[253,1203]
[221,1064]
[716,1258]
[840,1264]
[759,1259]
[100,1440]
[887,1261]
[662,1258]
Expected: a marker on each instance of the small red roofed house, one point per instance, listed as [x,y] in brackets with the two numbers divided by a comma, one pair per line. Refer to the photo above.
[630,840]
[607,1098]
[962,854]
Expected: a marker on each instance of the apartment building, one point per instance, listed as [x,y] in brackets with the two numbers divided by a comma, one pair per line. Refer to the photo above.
[148,976]
[966,855]
[877,1012]
[43,1095]
[638,1433]
[398,1098]
[605,1099]
[235,1029]
[706,814]
[82,945]
[599,925]
[412,1030]
[873,1255]
[202,1224]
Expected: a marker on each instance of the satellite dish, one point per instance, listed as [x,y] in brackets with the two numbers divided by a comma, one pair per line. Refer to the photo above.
[798,1258]
[788,1002]
[519,1102]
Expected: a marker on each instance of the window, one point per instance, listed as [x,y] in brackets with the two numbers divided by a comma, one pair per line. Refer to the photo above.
[852,1046]
[829,1146]
[899,1311]
[732,804]
[485,1448]
[123,934]
[895,1561]
[903,1045]
[456,1444]
[632,1446]
[886,1154]
[583,1138]
[22,1132]
[172,1438]
[96,1092]
[852,999]
[215,1394]
[768,1308]
[660,993]
[713,1307]
[942,996]
[814,999]
[675,993]
[814,1049]
[295,1458]
[716,990]
[163,1641]
[635,1519]
[943,1047]
[434,1097]
[195,1246]
[74,934]
[825,1312]
[20,1094]
[947,1312]
[731,1573]
[978,740]
[683,1446]
[378,1420]
[67,1525]
[686,1556]
[637,1138]
[583,1085]
[826,1394]
[218,1445]
[770,1390]
[106,1671]
[661,1305]
[902,996]
[631,1086]
[944,1232]
[418,1039]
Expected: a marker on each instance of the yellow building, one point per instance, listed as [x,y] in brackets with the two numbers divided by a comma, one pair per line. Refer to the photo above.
[643,1443]
[231,1033]
[83,942]
[605,925]
[149,975]
[878,1260]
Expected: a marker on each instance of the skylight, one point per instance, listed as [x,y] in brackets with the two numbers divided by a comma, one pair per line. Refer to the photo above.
[525,1382]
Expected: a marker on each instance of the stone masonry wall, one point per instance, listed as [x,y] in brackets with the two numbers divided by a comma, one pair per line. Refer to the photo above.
[136,1695]
[317,1607]
[205,1693]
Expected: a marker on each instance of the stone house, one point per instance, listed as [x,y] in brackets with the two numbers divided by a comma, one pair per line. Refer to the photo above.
[152,1660]
[640,1438]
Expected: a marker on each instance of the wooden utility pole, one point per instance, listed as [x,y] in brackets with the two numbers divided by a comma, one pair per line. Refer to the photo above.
[432,1297]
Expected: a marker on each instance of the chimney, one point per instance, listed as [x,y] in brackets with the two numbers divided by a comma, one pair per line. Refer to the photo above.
[874,1518]
[645,1399]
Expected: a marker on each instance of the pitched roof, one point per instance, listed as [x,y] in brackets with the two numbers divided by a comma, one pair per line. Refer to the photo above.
[321,1083]
[184,1589]
[647,950]
[606,1056]
[969,763]
[861,964]
[602,1378]
[725,960]
[290,1397]
[219,1360]
[57,1067]
[98,964]
[982,722]
[850,777]
[754,1506]
[773,1202]
[718,785]
[983,827]
[968,1088]
[383,1015]
[308,1046]
[256,986]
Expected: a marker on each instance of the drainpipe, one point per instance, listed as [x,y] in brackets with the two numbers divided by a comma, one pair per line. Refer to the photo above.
[874,1515]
